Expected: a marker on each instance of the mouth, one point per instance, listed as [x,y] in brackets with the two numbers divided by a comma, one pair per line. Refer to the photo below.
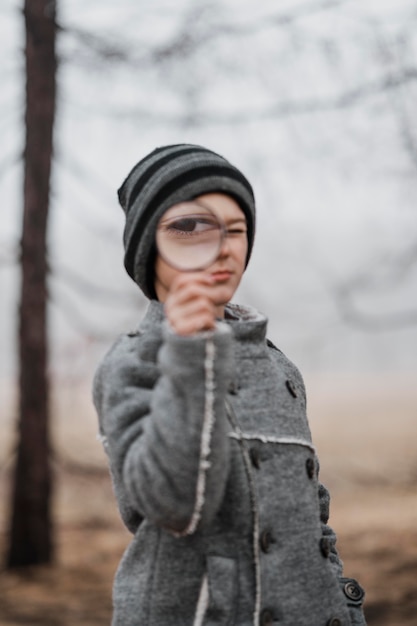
[221,275]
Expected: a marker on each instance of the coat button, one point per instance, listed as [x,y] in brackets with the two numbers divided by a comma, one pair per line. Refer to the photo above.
[267,618]
[265,541]
[291,388]
[254,457]
[335,621]
[310,467]
[325,547]
[353,591]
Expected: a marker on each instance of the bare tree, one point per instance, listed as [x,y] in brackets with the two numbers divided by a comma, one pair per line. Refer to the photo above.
[31,521]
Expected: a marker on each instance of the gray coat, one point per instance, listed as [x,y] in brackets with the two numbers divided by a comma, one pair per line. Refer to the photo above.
[217,478]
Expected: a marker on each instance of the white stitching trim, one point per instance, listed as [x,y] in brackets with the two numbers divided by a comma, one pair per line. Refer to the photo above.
[202,604]
[206,434]
[241,437]
[257,608]
[271,439]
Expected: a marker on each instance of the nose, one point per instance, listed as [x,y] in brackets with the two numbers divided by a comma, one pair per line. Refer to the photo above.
[224,248]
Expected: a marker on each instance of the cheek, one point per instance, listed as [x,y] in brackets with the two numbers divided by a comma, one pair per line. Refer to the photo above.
[164,276]
[242,253]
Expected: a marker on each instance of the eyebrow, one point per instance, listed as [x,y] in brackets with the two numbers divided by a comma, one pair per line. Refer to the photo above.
[235,220]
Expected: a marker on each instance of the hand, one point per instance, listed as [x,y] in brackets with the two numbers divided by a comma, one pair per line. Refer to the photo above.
[194,301]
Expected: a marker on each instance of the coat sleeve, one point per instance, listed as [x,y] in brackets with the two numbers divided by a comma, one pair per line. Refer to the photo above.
[165,427]
[353,592]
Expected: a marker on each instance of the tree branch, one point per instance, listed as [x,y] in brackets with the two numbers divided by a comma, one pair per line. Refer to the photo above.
[189,38]
[78,322]
[345,294]
[370,322]
[281,109]
[84,287]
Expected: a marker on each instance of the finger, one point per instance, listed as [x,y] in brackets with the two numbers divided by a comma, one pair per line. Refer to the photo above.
[191,326]
[184,292]
[194,285]
[187,322]
[190,308]
[188,280]
[202,310]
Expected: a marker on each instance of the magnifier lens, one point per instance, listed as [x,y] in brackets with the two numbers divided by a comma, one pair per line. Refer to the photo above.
[189,236]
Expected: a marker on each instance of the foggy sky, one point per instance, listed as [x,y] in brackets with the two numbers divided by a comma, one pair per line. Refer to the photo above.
[334,179]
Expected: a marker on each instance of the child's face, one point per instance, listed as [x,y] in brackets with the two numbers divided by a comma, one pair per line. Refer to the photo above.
[229,266]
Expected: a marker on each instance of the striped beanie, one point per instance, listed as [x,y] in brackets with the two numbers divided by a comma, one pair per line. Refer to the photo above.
[167,176]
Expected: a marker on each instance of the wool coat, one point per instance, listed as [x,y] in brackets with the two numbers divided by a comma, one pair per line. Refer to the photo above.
[216,476]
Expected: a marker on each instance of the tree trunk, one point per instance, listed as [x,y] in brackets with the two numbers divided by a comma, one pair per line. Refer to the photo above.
[31,540]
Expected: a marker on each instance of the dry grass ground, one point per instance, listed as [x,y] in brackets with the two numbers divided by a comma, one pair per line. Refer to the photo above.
[366,436]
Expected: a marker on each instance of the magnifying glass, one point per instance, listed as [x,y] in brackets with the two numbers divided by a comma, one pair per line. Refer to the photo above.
[189,236]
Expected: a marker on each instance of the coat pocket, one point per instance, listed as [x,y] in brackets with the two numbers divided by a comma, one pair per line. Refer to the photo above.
[220,588]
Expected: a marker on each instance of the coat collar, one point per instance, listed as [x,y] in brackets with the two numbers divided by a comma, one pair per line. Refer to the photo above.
[247,324]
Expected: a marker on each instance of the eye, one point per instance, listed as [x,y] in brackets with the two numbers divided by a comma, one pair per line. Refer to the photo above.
[186,224]
[236,231]
[189,225]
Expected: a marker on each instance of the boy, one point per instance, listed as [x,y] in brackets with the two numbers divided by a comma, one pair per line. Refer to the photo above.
[204,423]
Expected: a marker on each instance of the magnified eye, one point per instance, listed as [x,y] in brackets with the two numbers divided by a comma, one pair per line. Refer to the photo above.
[189,236]
[191,225]
[187,224]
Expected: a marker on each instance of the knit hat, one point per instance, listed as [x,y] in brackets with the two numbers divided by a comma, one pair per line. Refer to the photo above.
[167,176]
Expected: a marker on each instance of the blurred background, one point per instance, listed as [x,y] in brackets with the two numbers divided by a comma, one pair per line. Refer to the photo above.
[315,101]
